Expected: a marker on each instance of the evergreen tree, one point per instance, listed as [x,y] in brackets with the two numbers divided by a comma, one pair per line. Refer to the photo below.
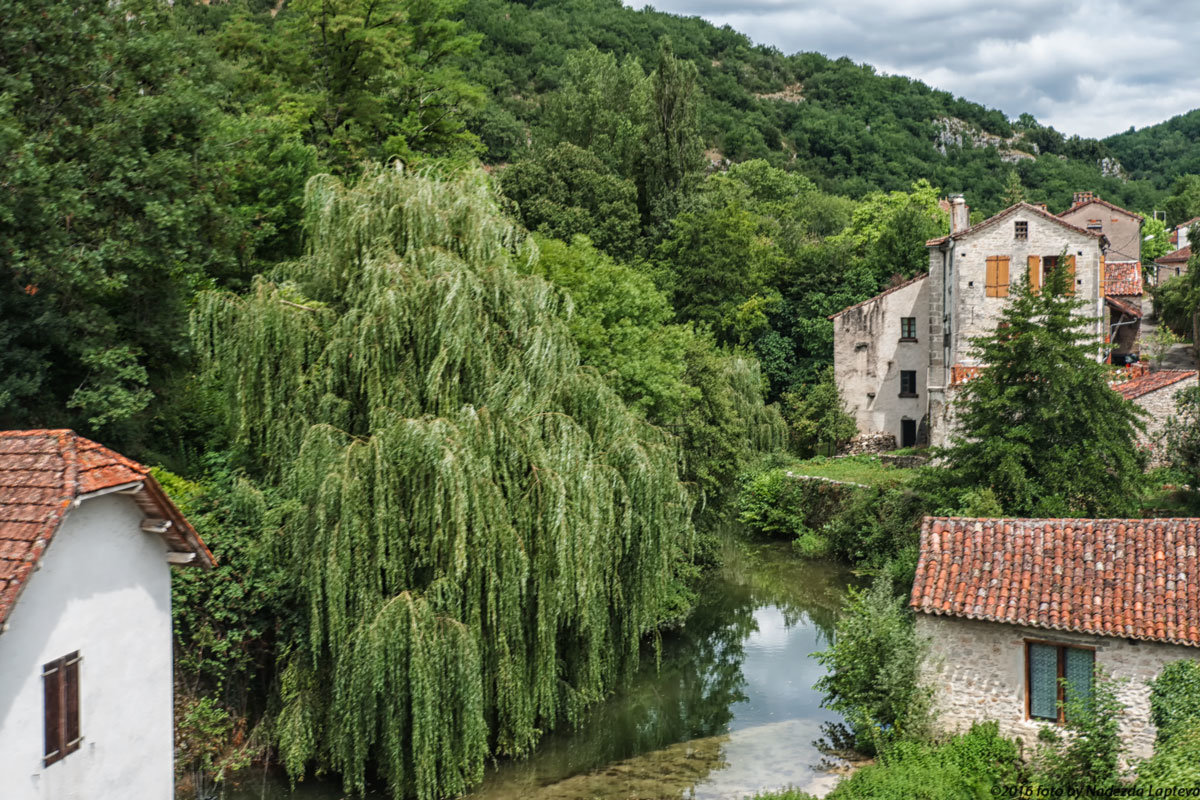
[480,531]
[1014,190]
[1040,425]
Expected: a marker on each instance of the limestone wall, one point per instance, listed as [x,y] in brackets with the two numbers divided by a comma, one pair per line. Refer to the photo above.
[869,354]
[1159,407]
[977,671]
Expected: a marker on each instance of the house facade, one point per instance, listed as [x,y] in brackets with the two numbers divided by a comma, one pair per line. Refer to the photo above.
[895,383]
[87,538]
[1121,227]
[1155,393]
[1011,606]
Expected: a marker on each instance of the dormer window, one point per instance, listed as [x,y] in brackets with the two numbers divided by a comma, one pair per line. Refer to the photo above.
[1021,229]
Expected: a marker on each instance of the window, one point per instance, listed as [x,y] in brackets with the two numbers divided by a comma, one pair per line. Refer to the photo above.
[1021,229]
[1095,224]
[1041,267]
[60,683]
[908,329]
[1053,673]
[997,276]
[908,383]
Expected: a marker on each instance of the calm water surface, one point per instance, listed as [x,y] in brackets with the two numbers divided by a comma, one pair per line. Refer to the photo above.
[730,711]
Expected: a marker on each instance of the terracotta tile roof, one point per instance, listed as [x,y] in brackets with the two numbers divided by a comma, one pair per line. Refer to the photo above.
[1106,204]
[1123,307]
[887,291]
[1131,578]
[1180,255]
[1123,278]
[990,221]
[42,475]
[1152,382]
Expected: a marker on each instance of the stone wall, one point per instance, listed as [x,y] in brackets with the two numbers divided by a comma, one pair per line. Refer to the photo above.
[977,671]
[877,442]
[1124,231]
[869,355]
[1159,406]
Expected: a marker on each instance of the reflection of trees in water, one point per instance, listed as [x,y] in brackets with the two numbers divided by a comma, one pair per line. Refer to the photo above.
[700,675]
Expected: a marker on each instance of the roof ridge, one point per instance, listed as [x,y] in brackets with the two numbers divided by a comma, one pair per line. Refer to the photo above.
[992,220]
[889,290]
[1103,202]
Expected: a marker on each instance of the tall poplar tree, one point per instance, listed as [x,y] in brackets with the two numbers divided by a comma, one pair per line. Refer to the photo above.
[480,531]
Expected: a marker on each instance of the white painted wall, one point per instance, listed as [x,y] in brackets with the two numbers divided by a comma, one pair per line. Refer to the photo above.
[104,589]
[868,356]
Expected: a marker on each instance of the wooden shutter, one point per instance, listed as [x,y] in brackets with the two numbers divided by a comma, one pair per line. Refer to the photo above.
[60,688]
[1070,274]
[1035,274]
[71,734]
[1103,275]
[1002,276]
[52,674]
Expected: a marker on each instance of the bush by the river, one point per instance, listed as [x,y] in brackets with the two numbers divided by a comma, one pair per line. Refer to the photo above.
[873,527]
[873,671]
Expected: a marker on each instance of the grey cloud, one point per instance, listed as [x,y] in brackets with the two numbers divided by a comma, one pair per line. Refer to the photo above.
[1091,67]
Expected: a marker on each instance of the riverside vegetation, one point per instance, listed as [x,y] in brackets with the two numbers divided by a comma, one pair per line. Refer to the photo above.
[456,328]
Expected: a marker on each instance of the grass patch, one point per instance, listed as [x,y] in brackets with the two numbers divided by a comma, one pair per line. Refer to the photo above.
[865,469]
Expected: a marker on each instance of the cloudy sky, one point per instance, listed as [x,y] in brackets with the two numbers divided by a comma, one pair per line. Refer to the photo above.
[1091,67]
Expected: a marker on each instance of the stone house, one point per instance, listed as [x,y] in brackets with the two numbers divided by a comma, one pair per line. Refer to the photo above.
[1011,606]
[1172,264]
[87,538]
[899,355]
[1155,393]
[1122,228]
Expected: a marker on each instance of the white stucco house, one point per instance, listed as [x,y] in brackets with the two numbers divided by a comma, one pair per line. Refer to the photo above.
[1016,610]
[87,538]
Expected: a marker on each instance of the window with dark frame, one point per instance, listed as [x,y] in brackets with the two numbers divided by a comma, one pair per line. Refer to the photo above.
[908,329]
[60,684]
[1054,672]
[1021,229]
[908,383]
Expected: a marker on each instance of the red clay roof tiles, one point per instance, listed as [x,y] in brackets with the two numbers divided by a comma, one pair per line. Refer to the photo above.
[42,473]
[1129,578]
[1152,382]
[1180,256]
[1123,278]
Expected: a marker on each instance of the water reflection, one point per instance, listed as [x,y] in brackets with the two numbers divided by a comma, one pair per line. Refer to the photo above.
[730,711]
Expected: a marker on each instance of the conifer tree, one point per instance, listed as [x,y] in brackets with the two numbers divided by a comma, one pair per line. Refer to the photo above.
[480,531]
[1040,425]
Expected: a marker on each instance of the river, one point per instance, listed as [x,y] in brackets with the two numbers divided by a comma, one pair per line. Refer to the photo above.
[730,710]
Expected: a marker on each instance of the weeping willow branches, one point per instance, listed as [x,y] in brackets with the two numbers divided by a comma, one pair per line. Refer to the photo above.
[482,532]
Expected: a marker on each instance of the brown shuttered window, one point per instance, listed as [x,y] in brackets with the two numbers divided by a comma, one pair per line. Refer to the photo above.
[997,276]
[60,685]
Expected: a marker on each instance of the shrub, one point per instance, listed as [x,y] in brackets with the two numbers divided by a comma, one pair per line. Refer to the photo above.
[873,670]
[1088,752]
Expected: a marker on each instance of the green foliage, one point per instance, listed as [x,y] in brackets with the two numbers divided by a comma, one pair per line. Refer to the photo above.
[1156,241]
[817,417]
[1175,763]
[1175,698]
[1088,752]
[479,531]
[113,210]
[873,670]
[360,78]
[1181,436]
[1039,425]
[1184,202]
[566,191]
[1175,305]
[888,231]
[622,325]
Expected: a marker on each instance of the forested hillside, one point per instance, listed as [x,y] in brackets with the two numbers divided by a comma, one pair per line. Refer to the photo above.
[451,326]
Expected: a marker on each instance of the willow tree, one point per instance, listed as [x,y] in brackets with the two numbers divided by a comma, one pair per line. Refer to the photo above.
[481,532]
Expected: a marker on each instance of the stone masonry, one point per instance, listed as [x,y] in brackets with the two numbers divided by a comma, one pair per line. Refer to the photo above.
[977,671]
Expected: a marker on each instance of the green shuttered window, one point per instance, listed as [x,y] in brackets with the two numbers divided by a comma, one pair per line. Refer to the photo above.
[1056,672]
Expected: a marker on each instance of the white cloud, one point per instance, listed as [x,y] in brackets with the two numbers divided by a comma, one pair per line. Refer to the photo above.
[1091,67]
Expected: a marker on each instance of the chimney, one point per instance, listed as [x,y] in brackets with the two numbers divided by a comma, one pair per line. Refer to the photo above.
[960,214]
[1082,197]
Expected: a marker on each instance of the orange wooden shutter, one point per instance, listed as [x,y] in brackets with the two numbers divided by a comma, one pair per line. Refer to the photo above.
[1103,276]
[1002,276]
[1035,274]
[990,279]
[1070,274]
